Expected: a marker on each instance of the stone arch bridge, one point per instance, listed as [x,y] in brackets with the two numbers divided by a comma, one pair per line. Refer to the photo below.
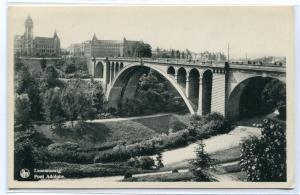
[204,86]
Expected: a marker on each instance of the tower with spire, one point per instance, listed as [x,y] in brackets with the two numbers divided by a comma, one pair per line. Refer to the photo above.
[28,45]
[56,43]
[28,36]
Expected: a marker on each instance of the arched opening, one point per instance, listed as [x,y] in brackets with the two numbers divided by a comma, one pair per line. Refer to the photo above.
[112,70]
[247,99]
[107,72]
[206,91]
[194,86]
[99,70]
[125,87]
[117,67]
[171,71]
[181,77]
[121,65]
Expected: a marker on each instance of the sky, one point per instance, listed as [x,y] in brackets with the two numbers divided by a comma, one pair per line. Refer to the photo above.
[251,31]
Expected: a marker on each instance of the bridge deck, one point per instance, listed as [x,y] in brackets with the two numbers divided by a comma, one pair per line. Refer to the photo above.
[204,64]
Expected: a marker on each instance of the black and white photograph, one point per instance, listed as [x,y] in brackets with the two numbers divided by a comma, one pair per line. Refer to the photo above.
[150,96]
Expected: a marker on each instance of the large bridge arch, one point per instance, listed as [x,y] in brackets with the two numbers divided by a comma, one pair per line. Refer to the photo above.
[124,84]
[245,99]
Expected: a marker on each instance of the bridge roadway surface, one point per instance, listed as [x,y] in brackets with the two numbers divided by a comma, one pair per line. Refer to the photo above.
[185,63]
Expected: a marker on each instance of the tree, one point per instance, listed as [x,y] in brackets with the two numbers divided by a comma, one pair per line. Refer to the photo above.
[26,83]
[77,102]
[264,159]
[43,63]
[172,53]
[22,112]
[52,106]
[51,75]
[147,51]
[70,68]
[146,162]
[97,96]
[182,55]
[69,101]
[159,160]
[18,64]
[178,54]
[274,96]
[142,50]
[201,164]
[29,152]
[59,63]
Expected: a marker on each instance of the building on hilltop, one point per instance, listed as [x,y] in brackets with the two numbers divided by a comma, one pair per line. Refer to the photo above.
[28,45]
[209,56]
[105,48]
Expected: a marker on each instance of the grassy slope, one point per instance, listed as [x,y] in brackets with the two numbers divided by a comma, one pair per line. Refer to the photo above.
[95,134]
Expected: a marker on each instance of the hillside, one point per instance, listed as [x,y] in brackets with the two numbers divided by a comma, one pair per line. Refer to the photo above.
[103,132]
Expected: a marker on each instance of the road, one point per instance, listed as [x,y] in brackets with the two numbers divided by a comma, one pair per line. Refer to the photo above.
[127,118]
[213,144]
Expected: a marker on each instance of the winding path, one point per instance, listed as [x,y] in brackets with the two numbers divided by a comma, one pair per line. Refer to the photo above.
[213,144]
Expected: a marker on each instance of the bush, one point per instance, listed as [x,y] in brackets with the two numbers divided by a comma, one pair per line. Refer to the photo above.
[208,125]
[70,152]
[128,174]
[175,171]
[176,125]
[274,96]
[146,162]
[264,159]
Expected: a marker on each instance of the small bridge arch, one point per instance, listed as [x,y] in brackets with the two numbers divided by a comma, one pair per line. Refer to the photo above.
[245,99]
[99,70]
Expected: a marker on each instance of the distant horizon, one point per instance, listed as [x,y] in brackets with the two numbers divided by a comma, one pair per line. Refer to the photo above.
[255,33]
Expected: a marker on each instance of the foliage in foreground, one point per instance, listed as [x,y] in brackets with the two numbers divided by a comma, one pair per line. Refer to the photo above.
[30,151]
[201,164]
[274,96]
[264,159]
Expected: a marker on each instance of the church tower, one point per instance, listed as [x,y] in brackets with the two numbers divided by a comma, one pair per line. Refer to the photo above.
[28,36]
[56,44]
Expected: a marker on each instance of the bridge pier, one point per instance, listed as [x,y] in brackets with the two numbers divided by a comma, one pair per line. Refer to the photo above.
[110,75]
[187,87]
[115,69]
[199,111]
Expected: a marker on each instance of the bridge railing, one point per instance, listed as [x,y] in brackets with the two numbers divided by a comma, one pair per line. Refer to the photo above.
[186,62]
[165,61]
